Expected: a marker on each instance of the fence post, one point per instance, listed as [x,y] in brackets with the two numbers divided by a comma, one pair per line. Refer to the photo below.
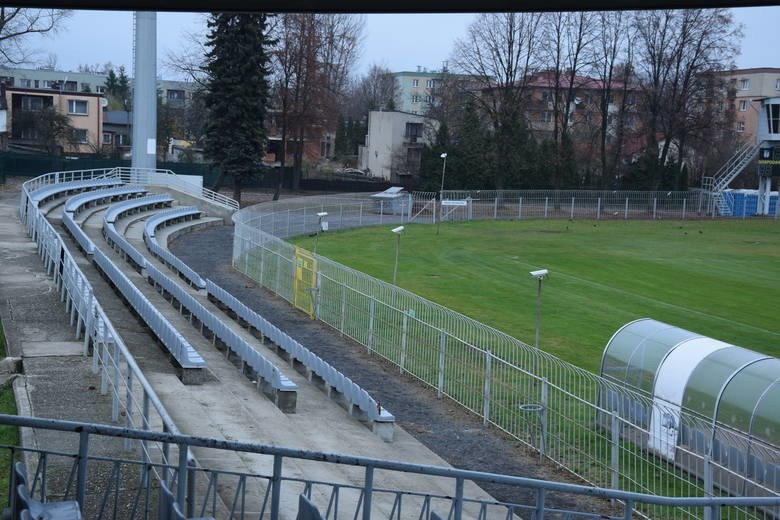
[404,325]
[598,209]
[115,383]
[360,217]
[343,307]
[543,420]
[709,512]
[615,451]
[655,205]
[486,389]
[371,324]
[129,407]
[683,211]
[545,206]
[520,208]
[341,216]
[288,221]
[626,212]
[572,209]
[317,300]
[495,208]
[442,342]
[381,211]
[303,227]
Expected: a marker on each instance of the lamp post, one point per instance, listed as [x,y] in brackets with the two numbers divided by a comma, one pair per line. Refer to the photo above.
[540,275]
[441,190]
[320,216]
[397,231]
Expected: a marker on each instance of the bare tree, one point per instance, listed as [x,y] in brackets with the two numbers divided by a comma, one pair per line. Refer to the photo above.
[677,49]
[313,58]
[498,53]
[378,89]
[18,25]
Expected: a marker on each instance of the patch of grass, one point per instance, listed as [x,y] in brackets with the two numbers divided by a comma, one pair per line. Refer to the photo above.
[715,278]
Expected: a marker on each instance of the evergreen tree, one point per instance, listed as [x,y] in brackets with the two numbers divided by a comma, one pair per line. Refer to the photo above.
[237,69]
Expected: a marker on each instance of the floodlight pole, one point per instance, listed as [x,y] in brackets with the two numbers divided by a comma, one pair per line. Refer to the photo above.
[441,193]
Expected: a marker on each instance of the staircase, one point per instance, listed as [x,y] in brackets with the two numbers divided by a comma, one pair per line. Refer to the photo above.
[727,173]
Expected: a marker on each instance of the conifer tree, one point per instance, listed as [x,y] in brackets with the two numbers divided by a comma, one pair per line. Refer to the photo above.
[236,100]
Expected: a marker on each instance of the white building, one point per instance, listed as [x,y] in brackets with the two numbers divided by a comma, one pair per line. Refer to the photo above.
[394,144]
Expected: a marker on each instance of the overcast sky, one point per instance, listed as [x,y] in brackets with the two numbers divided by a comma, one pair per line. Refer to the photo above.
[396,41]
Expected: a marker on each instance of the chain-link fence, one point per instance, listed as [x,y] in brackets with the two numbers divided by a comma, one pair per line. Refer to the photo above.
[592,427]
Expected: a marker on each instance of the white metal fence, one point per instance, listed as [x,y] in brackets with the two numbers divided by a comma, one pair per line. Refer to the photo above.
[573,418]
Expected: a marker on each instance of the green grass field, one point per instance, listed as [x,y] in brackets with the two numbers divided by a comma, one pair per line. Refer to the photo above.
[716,278]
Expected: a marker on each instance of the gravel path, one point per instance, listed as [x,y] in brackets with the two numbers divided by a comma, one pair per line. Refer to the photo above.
[445,427]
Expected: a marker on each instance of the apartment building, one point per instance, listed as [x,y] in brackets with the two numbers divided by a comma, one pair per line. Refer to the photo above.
[178,93]
[750,87]
[417,90]
[26,130]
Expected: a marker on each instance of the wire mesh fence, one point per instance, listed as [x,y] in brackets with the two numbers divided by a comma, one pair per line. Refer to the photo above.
[592,427]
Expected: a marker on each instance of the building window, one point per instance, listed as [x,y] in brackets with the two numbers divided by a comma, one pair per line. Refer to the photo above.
[415,82]
[108,138]
[100,89]
[741,126]
[745,84]
[49,84]
[32,103]
[415,99]
[80,135]
[742,105]
[546,116]
[431,83]
[77,107]
[413,131]
[27,83]
[777,84]
[546,95]
[429,99]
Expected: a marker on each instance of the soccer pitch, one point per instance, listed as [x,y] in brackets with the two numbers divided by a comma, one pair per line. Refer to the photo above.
[716,278]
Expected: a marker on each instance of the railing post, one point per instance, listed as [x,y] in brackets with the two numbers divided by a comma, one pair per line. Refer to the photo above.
[129,406]
[572,209]
[458,501]
[626,211]
[360,217]
[115,383]
[442,343]
[404,325]
[598,209]
[144,443]
[520,208]
[181,484]
[683,208]
[539,513]
[655,206]
[276,487]
[81,479]
[495,208]
[368,488]
[546,199]
[486,388]
[190,488]
[381,211]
